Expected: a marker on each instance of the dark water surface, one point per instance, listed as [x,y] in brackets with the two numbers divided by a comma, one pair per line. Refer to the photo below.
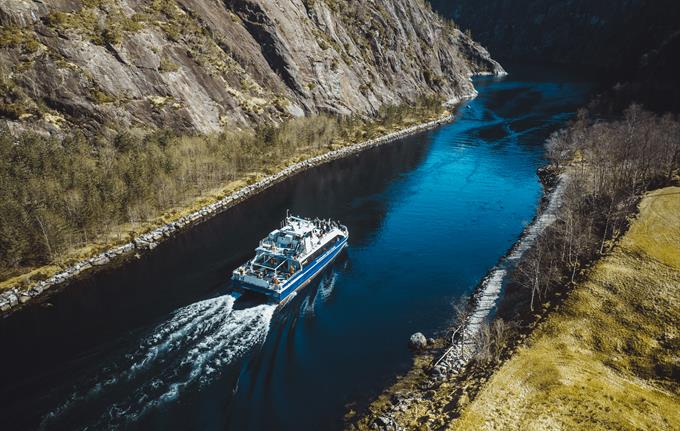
[160,344]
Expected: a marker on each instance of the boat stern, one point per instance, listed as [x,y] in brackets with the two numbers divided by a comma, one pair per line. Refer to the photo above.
[248,283]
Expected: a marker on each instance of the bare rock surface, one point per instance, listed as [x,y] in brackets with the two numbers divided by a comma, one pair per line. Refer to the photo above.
[199,65]
[417,341]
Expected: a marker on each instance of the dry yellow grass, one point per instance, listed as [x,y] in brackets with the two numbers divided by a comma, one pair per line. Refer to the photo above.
[608,359]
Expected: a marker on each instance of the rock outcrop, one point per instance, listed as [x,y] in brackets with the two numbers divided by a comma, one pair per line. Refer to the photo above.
[417,341]
[200,65]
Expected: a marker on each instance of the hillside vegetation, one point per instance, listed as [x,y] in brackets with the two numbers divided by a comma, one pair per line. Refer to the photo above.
[608,358]
[633,43]
[610,165]
[61,200]
[598,33]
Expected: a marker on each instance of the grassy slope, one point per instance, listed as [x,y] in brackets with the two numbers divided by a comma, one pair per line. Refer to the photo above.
[608,359]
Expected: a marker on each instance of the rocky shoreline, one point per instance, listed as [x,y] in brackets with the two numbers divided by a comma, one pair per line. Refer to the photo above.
[13,299]
[486,296]
[451,361]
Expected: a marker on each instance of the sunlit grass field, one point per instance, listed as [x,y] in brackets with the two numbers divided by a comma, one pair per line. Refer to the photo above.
[608,358]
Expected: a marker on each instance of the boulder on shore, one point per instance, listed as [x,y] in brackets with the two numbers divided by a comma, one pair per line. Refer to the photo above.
[417,341]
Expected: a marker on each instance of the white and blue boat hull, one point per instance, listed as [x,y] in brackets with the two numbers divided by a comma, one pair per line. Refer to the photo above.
[300,280]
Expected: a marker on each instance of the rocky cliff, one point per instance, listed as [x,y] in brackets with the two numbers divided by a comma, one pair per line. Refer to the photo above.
[201,65]
[632,44]
[600,33]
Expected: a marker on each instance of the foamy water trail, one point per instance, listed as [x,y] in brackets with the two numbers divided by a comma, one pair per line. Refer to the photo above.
[188,323]
[323,292]
[326,288]
[234,337]
[168,336]
[190,349]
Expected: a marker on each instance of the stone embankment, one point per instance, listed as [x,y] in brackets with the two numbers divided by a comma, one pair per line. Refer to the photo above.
[464,339]
[13,298]
[463,346]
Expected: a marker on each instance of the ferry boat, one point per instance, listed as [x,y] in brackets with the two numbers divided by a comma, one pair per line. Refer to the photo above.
[290,257]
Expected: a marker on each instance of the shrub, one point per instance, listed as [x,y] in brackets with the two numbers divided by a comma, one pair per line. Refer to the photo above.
[59,194]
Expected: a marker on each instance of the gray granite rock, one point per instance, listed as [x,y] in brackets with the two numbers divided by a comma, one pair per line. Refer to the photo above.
[417,341]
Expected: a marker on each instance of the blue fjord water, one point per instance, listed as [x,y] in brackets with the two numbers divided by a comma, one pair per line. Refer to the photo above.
[159,343]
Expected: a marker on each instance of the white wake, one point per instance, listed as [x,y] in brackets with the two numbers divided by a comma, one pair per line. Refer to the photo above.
[188,351]
[323,292]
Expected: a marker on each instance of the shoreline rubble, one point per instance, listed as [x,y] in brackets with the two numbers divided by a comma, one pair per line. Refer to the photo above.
[486,296]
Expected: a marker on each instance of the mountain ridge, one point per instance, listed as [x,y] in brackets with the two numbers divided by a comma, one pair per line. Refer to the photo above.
[201,66]
[614,37]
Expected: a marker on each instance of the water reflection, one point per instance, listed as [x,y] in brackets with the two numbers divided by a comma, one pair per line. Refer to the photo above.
[94,320]
[162,346]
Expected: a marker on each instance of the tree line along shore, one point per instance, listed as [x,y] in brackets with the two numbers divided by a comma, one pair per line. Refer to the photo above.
[611,165]
[607,357]
[64,200]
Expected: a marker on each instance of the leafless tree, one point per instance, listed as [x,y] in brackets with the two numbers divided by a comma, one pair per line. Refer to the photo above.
[491,340]
[613,163]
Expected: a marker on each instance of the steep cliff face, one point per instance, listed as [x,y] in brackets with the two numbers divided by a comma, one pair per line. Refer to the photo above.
[201,65]
[612,35]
